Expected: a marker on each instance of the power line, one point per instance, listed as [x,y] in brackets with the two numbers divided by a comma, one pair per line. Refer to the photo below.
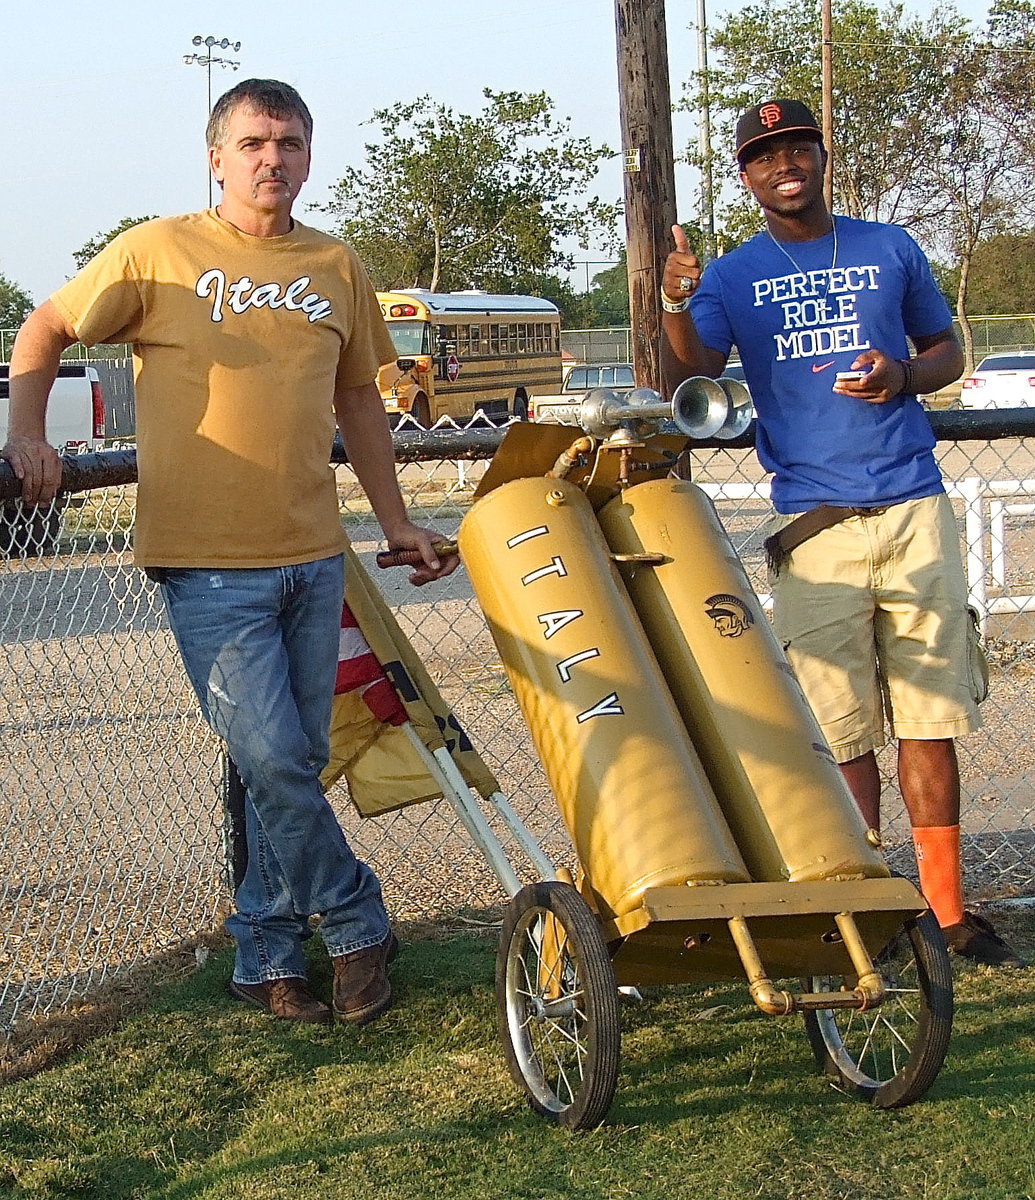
[934,46]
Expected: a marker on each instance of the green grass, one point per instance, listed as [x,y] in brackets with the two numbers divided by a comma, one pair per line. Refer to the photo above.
[201,1097]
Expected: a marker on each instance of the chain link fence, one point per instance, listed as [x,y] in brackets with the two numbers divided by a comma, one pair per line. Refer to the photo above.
[991,334]
[111,821]
[994,334]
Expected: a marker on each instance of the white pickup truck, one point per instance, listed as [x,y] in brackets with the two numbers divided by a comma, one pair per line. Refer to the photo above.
[578,381]
[75,411]
[75,424]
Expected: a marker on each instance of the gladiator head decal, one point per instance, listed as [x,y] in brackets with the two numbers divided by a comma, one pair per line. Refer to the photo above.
[731,616]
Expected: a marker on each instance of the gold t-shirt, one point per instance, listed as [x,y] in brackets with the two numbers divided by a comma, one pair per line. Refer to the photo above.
[237,342]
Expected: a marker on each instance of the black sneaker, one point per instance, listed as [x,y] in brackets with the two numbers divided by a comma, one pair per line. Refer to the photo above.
[974,938]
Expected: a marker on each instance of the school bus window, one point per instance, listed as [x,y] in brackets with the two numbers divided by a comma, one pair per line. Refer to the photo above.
[522,339]
[476,339]
[409,337]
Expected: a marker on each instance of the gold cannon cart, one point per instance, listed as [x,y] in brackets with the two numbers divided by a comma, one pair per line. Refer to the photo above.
[715,836]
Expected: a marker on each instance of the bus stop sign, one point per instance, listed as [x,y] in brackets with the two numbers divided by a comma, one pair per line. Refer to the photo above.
[452,368]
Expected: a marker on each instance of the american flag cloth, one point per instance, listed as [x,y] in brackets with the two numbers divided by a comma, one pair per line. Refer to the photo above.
[359,671]
[387,712]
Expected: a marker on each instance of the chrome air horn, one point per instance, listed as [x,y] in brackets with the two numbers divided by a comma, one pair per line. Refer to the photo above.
[741,408]
[700,408]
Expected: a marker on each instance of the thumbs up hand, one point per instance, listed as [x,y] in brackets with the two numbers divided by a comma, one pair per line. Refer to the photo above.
[682,269]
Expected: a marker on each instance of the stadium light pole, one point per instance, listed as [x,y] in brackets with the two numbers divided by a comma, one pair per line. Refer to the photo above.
[208,59]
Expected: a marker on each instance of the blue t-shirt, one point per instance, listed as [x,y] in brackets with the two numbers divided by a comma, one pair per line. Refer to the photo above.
[800,314]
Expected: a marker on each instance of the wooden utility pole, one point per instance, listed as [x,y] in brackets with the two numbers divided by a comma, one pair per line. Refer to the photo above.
[650,188]
[827,89]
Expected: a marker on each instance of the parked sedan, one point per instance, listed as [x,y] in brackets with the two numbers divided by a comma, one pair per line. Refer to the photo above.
[1002,381]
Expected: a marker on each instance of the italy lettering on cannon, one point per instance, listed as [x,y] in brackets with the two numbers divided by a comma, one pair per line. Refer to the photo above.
[555,620]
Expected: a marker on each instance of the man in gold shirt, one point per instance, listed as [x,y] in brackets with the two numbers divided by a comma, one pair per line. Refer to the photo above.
[252,334]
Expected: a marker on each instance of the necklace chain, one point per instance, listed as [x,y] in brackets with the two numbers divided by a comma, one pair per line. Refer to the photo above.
[784,252]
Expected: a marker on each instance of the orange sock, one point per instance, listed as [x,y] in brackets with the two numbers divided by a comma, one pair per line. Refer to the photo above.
[938,860]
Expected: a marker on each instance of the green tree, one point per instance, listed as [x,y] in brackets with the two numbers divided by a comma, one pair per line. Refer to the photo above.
[15,304]
[890,73]
[981,162]
[932,124]
[549,287]
[97,243]
[608,297]
[1002,275]
[449,200]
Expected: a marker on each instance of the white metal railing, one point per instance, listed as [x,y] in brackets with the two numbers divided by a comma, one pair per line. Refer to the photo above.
[986,506]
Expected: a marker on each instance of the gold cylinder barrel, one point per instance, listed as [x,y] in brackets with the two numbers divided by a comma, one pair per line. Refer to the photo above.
[630,787]
[782,793]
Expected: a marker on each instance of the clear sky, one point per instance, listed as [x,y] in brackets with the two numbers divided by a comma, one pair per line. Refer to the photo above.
[105,120]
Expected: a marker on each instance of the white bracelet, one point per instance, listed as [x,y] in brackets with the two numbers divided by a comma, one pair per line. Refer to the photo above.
[674,306]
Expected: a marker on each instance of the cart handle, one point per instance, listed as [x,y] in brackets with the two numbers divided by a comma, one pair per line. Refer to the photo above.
[412,558]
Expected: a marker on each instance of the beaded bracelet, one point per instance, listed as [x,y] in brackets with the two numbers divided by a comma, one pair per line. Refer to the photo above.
[908,387]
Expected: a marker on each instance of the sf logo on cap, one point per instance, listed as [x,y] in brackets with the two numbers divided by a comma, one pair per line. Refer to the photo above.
[769,115]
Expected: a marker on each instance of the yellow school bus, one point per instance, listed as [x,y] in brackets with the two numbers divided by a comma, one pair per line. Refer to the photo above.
[464,352]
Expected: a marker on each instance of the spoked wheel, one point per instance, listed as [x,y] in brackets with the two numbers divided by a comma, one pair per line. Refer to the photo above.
[558,1005]
[890,1055]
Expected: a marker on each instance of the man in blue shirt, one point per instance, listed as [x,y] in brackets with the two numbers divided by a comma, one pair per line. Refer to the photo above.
[870,598]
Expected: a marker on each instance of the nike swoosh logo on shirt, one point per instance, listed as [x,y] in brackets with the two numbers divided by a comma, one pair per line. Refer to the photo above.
[822,366]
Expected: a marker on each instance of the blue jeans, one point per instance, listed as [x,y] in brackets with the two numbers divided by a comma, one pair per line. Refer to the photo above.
[260,647]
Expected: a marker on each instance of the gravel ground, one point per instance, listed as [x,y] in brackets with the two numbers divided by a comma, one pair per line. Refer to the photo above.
[110,819]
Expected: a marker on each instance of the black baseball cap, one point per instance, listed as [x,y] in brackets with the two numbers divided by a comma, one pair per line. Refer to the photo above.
[772,117]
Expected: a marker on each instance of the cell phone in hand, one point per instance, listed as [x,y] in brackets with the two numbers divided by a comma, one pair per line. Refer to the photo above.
[846,375]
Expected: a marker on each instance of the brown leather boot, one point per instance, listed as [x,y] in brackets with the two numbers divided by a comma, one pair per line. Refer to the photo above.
[362,989]
[288,999]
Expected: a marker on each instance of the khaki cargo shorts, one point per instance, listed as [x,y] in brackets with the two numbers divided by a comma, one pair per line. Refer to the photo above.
[872,614]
